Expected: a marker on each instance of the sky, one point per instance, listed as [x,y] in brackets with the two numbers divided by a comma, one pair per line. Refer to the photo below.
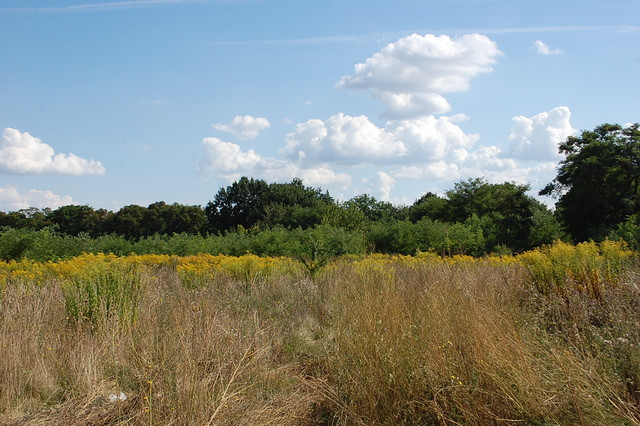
[108,103]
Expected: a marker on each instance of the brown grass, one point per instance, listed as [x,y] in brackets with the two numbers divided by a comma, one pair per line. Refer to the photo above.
[389,344]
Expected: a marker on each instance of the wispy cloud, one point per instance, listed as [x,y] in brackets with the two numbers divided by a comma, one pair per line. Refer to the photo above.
[97,7]
[559,29]
[391,35]
[542,48]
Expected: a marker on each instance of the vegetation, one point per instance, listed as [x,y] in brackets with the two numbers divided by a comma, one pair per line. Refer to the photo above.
[380,339]
[597,185]
[598,182]
[474,218]
[275,304]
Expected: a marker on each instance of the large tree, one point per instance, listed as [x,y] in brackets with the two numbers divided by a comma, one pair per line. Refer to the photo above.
[76,219]
[241,203]
[505,211]
[597,184]
[248,202]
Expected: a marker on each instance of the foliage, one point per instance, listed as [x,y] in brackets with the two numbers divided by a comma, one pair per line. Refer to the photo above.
[598,182]
[628,231]
[248,202]
[374,210]
[506,207]
[31,218]
[430,206]
[475,218]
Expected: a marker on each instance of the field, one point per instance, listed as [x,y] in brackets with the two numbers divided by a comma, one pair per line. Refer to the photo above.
[547,337]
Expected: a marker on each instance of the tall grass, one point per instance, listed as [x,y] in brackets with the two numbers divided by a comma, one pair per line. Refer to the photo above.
[453,344]
[376,340]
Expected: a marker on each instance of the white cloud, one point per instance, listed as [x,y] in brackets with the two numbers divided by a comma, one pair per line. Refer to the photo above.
[347,140]
[244,127]
[531,158]
[440,170]
[381,185]
[322,176]
[343,139]
[410,75]
[537,138]
[11,199]
[430,138]
[431,149]
[542,48]
[22,153]
[228,162]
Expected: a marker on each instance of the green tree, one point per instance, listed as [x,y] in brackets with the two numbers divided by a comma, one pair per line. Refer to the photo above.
[505,210]
[31,218]
[248,202]
[170,219]
[298,205]
[546,229]
[430,206]
[128,222]
[597,184]
[240,204]
[373,209]
[75,219]
[344,216]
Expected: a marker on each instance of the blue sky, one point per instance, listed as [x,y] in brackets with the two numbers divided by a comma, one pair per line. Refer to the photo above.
[110,103]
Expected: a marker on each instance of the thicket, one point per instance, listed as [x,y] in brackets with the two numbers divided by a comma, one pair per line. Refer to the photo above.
[251,216]
[597,189]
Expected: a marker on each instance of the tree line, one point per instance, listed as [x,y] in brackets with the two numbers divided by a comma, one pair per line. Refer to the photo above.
[596,187]
[498,214]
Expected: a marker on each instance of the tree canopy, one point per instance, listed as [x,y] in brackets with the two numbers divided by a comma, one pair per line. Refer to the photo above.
[597,184]
[475,217]
[249,201]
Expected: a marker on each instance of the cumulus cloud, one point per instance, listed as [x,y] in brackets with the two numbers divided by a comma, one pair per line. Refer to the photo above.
[410,75]
[531,157]
[343,139]
[21,153]
[227,161]
[431,138]
[381,185]
[441,170]
[411,78]
[433,149]
[537,138]
[541,48]
[244,127]
[347,140]
[11,199]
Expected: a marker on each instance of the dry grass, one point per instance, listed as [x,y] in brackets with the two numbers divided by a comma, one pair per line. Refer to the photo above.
[454,345]
[365,343]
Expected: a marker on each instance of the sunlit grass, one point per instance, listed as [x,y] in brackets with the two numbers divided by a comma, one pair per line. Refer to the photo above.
[546,337]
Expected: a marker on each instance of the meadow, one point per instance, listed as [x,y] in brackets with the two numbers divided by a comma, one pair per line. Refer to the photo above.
[547,337]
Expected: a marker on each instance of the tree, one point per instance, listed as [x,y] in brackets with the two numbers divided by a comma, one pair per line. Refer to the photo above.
[505,209]
[75,219]
[430,206]
[597,184]
[241,203]
[248,202]
[373,209]
[170,219]
[128,222]
[296,205]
